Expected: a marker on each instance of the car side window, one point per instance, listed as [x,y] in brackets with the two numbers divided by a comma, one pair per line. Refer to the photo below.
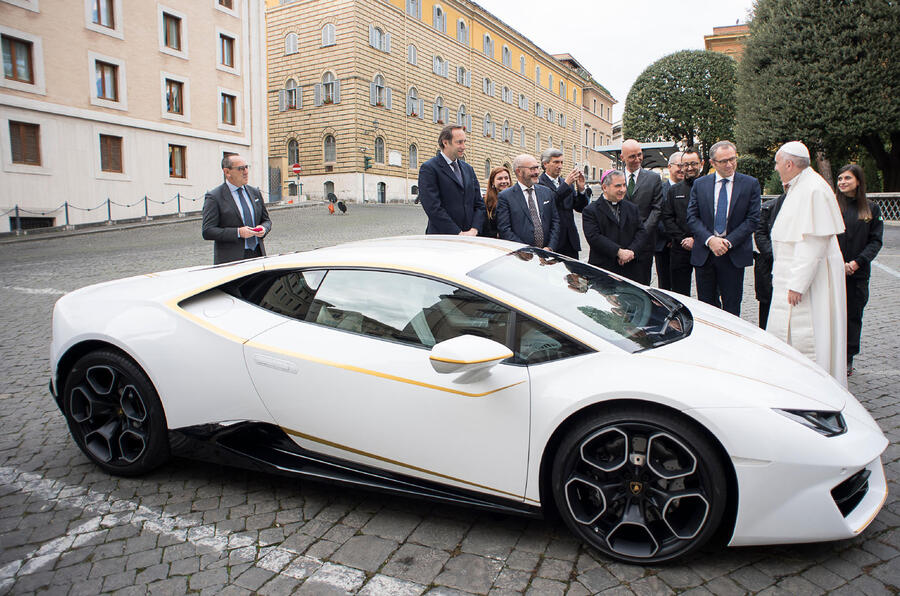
[536,343]
[405,308]
[289,294]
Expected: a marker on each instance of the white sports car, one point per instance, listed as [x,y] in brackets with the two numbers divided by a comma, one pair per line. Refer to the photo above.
[477,372]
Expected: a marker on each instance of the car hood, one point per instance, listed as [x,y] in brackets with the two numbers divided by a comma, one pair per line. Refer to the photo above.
[731,346]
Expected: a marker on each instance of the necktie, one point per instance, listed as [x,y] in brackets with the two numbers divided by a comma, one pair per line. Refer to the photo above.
[535,219]
[455,167]
[631,184]
[251,242]
[722,209]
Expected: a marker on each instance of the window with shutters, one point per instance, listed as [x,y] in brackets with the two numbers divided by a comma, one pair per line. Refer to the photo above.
[439,19]
[414,8]
[574,95]
[293,151]
[550,81]
[329,149]
[290,96]
[523,101]
[229,4]
[379,150]
[488,126]
[462,32]
[551,115]
[538,110]
[177,161]
[562,89]
[507,132]
[413,157]
[462,119]
[488,46]
[110,153]
[379,39]
[537,142]
[487,87]
[378,91]
[522,137]
[487,169]
[414,104]
[412,55]
[25,143]
[521,65]
[439,115]
[290,44]
[537,74]
[328,35]
[550,142]
[329,86]
[507,56]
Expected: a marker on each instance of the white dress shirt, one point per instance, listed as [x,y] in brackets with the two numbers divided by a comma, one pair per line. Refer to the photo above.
[536,200]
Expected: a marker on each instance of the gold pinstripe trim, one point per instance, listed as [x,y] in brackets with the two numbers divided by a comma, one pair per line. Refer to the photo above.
[451,361]
[374,373]
[877,511]
[398,463]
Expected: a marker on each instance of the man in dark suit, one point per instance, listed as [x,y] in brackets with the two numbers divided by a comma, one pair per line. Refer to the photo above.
[526,212]
[662,252]
[448,188]
[234,215]
[763,257]
[571,195]
[613,228]
[723,213]
[674,218]
[644,189]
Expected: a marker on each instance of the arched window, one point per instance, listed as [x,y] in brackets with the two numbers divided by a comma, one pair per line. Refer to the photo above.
[550,81]
[550,142]
[488,46]
[522,137]
[507,56]
[377,38]
[290,95]
[439,114]
[537,142]
[329,149]
[413,107]
[414,8]
[461,115]
[538,109]
[378,91]
[328,35]
[413,157]
[329,87]
[507,132]
[489,127]
[381,188]
[562,89]
[574,95]
[487,86]
[537,74]
[290,43]
[550,115]
[379,150]
[328,188]
[412,55]
[487,169]
[507,95]
[439,19]
[462,32]
[523,101]
[293,151]
[521,65]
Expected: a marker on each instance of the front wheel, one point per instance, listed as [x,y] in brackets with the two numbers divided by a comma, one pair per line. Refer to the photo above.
[115,415]
[639,485]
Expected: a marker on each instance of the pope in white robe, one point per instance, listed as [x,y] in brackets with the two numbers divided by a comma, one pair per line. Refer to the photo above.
[809,293]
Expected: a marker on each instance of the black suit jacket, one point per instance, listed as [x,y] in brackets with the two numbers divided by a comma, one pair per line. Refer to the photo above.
[674,213]
[764,258]
[221,220]
[451,207]
[743,217]
[606,236]
[568,200]
[514,220]
[648,196]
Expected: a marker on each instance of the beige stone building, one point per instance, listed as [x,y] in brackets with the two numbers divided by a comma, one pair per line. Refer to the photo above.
[728,40]
[352,81]
[98,102]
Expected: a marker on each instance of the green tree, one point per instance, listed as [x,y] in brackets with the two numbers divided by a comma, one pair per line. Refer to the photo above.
[688,95]
[824,72]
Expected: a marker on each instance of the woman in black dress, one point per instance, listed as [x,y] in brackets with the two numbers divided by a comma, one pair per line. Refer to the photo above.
[859,244]
[498,181]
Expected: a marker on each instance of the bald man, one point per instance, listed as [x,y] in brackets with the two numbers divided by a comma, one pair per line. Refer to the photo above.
[644,189]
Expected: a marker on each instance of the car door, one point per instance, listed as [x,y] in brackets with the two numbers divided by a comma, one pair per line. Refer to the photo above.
[349,376]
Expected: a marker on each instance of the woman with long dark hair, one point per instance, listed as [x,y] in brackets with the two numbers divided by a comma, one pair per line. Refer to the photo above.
[859,244]
[498,181]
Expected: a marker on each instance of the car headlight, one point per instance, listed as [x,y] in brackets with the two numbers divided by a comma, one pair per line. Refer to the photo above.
[830,424]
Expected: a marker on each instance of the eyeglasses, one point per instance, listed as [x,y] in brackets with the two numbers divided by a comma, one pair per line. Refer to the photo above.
[240,168]
[729,160]
[690,164]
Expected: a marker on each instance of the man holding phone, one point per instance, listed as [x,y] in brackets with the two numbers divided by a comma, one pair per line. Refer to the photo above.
[571,195]
[234,215]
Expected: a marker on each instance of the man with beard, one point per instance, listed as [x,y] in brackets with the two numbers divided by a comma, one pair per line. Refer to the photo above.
[613,228]
[644,189]
[674,218]
[526,212]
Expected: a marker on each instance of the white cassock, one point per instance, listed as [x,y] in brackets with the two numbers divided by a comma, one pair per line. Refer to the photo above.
[808,260]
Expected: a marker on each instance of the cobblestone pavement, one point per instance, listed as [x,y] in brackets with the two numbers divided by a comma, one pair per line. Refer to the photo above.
[68,528]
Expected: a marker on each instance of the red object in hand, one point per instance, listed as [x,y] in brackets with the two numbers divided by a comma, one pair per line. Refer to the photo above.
[258,229]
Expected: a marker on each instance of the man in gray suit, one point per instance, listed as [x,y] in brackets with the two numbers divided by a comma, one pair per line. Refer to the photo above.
[645,191]
[234,215]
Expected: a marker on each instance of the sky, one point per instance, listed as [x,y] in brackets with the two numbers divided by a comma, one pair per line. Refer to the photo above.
[617,40]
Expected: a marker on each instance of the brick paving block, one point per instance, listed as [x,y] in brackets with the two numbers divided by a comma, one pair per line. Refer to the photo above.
[129,591]
[144,559]
[523,561]
[106,567]
[280,585]
[322,549]
[598,579]
[391,524]
[679,577]
[260,521]
[118,580]
[297,542]
[271,536]
[533,541]
[365,552]
[445,591]
[883,551]
[287,516]
[469,573]
[781,566]
[211,577]
[698,591]
[799,586]
[541,587]
[301,568]
[253,578]
[752,578]
[245,554]
[626,573]
[555,569]
[415,563]
[234,590]
[357,519]
[650,586]
[577,589]
[512,579]
[31,583]
[889,573]
[339,533]
[185,566]
[439,533]
[724,586]
[824,577]
[74,556]
[489,541]
[152,574]
[566,548]
[331,578]
[383,585]
[89,587]
[621,590]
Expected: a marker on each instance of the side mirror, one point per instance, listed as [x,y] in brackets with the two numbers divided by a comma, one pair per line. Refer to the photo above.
[467,353]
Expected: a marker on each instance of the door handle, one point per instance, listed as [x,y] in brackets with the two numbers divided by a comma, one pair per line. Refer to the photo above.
[276,363]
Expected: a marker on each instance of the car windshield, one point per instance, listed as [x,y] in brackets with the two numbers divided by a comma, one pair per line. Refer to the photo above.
[608,306]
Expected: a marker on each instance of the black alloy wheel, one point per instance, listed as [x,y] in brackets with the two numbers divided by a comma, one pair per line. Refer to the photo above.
[115,415]
[640,485]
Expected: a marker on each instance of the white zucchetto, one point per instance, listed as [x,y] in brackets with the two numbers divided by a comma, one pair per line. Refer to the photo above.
[795,148]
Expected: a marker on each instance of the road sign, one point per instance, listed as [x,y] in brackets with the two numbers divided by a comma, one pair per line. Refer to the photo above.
[296,169]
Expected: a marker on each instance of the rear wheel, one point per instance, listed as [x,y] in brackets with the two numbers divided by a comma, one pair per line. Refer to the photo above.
[639,485]
[115,415]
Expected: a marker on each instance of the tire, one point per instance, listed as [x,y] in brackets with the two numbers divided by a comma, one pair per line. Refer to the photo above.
[639,485]
[114,414]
